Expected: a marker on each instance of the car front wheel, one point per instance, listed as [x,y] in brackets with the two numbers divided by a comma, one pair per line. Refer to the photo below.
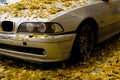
[84,42]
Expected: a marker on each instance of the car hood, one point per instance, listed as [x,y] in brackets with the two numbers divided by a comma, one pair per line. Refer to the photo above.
[6,16]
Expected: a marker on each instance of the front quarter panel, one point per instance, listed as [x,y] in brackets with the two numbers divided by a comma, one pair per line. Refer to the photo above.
[73,18]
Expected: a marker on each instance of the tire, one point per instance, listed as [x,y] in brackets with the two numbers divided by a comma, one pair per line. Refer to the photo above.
[84,42]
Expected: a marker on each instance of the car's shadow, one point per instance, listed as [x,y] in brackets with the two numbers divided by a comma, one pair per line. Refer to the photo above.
[17,63]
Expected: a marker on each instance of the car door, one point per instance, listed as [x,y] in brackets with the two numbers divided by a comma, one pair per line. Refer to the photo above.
[116,16]
[105,16]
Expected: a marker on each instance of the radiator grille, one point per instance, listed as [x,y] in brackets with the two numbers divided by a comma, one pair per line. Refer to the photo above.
[7,26]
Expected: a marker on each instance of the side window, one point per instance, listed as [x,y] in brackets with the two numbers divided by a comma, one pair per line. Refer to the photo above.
[108,1]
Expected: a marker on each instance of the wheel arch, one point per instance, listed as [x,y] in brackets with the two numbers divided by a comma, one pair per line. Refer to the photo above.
[91,21]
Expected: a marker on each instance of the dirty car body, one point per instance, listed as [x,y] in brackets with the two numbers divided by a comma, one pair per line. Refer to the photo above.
[58,38]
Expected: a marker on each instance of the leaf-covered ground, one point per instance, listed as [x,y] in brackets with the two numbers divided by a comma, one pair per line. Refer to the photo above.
[104,65]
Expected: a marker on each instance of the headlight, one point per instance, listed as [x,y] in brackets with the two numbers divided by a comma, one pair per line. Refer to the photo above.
[40,27]
[56,28]
[30,27]
[50,27]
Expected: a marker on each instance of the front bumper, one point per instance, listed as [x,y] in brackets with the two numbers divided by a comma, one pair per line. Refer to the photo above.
[57,47]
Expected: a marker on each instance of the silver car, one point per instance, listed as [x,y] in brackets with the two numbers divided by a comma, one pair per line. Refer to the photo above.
[71,34]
